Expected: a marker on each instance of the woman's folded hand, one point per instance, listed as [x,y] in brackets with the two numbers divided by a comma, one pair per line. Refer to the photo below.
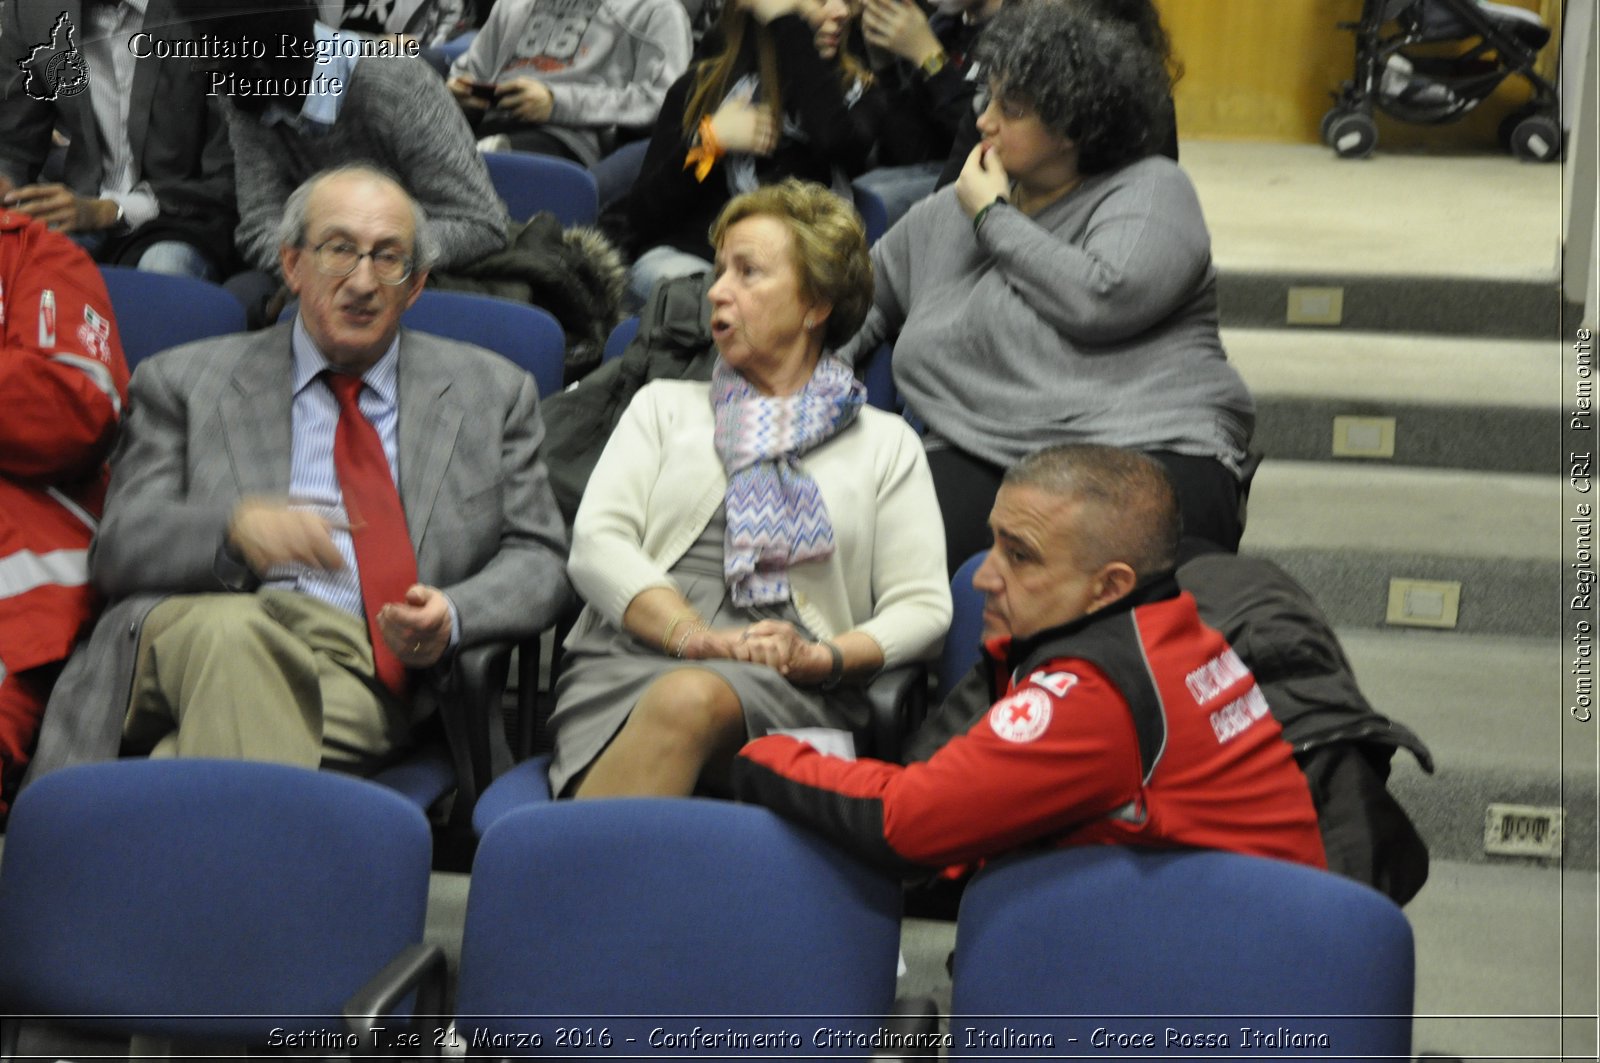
[780,646]
[711,643]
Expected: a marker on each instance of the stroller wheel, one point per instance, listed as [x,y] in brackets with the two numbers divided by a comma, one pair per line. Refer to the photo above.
[1328,119]
[1537,138]
[1353,135]
[1509,123]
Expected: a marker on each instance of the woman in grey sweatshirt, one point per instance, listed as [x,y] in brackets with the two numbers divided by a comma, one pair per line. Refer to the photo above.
[1062,290]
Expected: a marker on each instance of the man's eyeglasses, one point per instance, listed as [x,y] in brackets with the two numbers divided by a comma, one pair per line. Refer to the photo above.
[339,258]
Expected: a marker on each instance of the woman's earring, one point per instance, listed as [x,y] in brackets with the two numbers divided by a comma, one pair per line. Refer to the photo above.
[810,324]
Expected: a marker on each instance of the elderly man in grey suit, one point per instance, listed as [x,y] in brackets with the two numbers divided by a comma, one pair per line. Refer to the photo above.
[305,525]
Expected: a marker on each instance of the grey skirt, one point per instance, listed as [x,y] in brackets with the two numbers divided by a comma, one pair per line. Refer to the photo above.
[606,670]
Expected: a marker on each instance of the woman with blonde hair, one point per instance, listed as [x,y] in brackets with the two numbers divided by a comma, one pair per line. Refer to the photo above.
[753,548]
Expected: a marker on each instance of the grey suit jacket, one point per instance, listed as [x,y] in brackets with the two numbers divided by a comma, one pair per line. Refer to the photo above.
[209,424]
[179,138]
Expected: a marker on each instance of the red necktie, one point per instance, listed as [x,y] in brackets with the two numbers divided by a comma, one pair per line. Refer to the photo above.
[387,564]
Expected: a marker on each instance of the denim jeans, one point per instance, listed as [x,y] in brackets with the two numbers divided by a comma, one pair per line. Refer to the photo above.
[614,175]
[164,256]
[176,257]
[654,266]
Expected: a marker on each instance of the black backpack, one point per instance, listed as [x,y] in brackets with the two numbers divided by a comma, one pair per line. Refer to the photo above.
[673,343]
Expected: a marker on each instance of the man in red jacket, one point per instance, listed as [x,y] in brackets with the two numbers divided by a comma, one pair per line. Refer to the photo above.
[1104,712]
[62,385]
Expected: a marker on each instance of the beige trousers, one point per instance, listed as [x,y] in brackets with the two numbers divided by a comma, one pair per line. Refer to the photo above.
[275,676]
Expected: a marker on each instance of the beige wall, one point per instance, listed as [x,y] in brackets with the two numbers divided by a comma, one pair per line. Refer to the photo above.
[1264,70]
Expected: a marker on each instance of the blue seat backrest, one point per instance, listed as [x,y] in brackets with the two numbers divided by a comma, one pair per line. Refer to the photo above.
[1202,943]
[157,310]
[961,644]
[205,898]
[529,183]
[681,912]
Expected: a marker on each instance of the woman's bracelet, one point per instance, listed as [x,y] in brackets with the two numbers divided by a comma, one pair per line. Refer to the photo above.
[983,212]
[666,636]
[690,632]
[836,672]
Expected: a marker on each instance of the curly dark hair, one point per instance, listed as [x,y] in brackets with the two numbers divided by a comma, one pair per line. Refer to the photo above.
[1089,79]
[1146,22]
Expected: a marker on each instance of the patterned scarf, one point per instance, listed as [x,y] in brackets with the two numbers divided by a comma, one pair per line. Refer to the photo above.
[776,516]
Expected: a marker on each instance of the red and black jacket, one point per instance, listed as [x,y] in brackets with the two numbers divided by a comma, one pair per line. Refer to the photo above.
[1134,725]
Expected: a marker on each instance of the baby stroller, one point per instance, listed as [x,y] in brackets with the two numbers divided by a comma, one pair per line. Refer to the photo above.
[1495,41]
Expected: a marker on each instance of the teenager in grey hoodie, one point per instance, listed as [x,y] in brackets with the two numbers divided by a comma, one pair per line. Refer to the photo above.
[555,76]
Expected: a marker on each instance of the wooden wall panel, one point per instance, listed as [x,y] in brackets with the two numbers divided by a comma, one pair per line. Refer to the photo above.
[1265,69]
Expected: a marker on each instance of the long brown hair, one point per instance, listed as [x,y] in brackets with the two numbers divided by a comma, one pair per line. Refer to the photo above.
[711,76]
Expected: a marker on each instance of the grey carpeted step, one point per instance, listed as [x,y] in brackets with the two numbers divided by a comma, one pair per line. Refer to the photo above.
[1450,806]
[1491,710]
[1346,531]
[1491,405]
[1438,305]
[1502,953]
[925,945]
[1419,243]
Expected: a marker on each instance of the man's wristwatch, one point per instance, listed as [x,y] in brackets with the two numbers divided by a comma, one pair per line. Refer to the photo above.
[232,571]
[933,64]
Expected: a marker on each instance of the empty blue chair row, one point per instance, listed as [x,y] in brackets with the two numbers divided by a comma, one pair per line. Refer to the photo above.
[226,900]
[232,901]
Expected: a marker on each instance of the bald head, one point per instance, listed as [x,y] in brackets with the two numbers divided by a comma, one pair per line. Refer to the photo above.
[298,208]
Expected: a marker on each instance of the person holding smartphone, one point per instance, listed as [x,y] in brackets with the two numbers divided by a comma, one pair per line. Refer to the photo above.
[558,76]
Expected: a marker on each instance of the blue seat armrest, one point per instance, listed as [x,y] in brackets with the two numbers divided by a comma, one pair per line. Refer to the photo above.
[899,702]
[473,721]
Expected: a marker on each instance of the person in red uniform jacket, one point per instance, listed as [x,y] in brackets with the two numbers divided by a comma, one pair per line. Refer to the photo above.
[1109,714]
[63,381]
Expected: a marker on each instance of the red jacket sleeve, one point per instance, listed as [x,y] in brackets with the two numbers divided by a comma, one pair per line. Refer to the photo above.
[62,374]
[1058,752]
